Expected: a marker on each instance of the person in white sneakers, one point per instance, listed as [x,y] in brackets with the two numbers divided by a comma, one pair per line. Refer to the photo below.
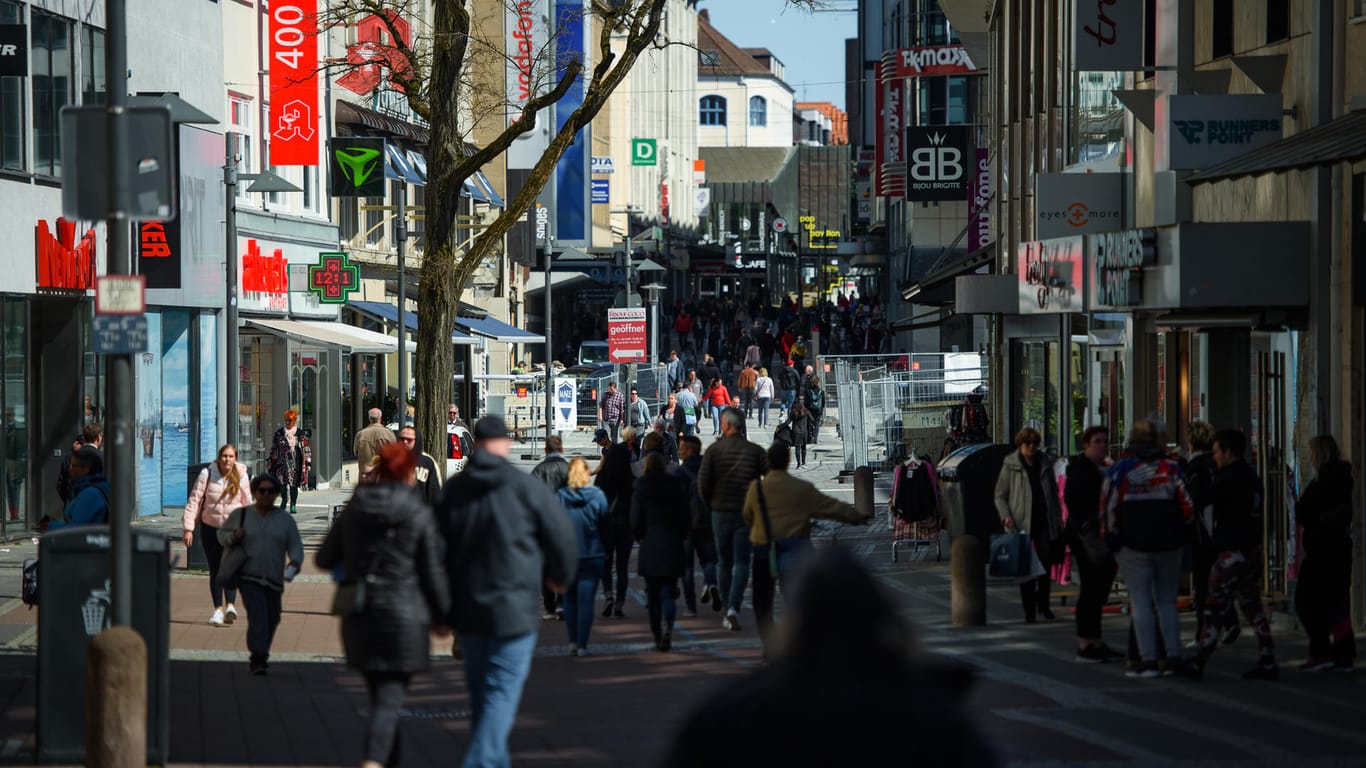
[220,488]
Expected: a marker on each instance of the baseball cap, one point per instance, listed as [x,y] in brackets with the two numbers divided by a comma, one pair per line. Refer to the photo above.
[490,428]
[599,434]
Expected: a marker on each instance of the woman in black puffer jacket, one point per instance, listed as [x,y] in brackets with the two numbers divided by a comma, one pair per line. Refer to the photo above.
[387,540]
[1323,589]
[660,521]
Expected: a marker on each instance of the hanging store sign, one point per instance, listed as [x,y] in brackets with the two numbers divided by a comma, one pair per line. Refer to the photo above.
[937,163]
[626,335]
[65,263]
[979,201]
[13,50]
[930,60]
[1116,261]
[889,162]
[1050,276]
[1077,203]
[294,83]
[357,166]
[369,61]
[333,279]
[1107,35]
[158,260]
[1203,131]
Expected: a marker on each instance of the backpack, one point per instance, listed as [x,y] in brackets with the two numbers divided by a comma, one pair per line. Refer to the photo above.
[29,593]
[817,398]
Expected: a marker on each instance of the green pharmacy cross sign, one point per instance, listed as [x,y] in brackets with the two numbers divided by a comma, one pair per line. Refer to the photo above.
[332,278]
[357,165]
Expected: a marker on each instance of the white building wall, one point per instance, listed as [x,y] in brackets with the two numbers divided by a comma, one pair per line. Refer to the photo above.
[737,132]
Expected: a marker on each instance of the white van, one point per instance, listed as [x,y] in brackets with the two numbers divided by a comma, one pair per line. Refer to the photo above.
[593,353]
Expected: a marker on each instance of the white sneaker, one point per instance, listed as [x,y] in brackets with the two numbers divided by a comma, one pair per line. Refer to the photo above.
[217,618]
[230,615]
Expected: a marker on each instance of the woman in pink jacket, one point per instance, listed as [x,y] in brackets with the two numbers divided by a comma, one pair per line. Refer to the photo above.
[221,488]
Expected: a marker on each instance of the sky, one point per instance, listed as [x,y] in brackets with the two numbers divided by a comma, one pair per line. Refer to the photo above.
[810,45]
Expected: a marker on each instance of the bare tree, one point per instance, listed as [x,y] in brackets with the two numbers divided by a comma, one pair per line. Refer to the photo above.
[434,73]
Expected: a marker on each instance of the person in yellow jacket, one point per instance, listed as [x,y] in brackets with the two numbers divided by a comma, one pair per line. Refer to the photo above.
[779,508]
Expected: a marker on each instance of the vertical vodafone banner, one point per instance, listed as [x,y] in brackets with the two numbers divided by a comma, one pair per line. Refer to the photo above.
[626,336]
[293,49]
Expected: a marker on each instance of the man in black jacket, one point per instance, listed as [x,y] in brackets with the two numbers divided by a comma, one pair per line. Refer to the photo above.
[1096,566]
[503,530]
[554,472]
[617,482]
[427,475]
[728,467]
[700,546]
[1237,572]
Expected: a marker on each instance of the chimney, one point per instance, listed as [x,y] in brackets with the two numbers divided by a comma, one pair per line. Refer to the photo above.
[703,15]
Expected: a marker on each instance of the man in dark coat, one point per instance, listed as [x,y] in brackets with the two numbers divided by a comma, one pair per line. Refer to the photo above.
[617,481]
[554,472]
[428,476]
[506,534]
[728,467]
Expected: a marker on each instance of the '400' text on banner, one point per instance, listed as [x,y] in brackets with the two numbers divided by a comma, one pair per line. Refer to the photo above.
[294,82]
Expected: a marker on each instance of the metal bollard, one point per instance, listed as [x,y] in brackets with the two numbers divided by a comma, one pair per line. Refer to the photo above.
[863,491]
[969,582]
[116,699]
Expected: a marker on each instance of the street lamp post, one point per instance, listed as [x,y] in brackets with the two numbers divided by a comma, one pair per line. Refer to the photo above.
[652,339]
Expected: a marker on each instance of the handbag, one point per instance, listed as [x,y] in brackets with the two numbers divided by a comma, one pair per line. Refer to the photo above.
[234,556]
[1010,555]
[781,552]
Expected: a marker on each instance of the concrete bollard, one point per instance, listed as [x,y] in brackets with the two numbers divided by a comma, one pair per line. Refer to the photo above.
[116,700]
[863,491]
[969,585]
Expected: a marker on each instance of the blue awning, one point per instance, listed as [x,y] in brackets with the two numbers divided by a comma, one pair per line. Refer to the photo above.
[389,312]
[398,167]
[402,162]
[498,330]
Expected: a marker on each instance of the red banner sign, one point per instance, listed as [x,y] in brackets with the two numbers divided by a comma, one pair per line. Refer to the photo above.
[890,163]
[63,261]
[264,274]
[626,336]
[932,60]
[294,83]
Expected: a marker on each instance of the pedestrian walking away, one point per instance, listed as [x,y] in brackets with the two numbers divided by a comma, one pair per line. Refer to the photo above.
[220,488]
[554,472]
[389,553]
[586,506]
[700,545]
[746,382]
[1084,477]
[368,441]
[728,467]
[815,403]
[1022,505]
[268,536]
[1147,509]
[1323,588]
[763,395]
[660,521]
[617,480]
[1236,576]
[506,534]
[778,510]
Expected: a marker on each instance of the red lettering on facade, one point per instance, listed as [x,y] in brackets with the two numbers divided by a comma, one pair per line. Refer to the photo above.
[152,241]
[63,261]
[264,274]
[370,61]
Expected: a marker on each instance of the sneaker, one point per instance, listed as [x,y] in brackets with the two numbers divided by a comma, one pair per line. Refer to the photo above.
[1091,654]
[1146,670]
[1318,665]
[573,648]
[257,668]
[607,612]
[731,622]
[548,616]
[617,613]
[705,597]
[579,652]
[230,614]
[1263,671]
[217,618]
[715,598]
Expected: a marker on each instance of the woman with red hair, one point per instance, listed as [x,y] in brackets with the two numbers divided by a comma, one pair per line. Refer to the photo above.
[291,458]
[393,585]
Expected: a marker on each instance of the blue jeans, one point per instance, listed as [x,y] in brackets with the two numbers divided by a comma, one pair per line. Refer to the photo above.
[578,600]
[788,397]
[716,419]
[1152,578]
[495,671]
[733,552]
[763,410]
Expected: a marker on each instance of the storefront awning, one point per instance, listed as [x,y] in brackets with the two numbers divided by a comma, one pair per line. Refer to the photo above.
[944,275]
[328,334]
[389,312]
[497,330]
[1342,139]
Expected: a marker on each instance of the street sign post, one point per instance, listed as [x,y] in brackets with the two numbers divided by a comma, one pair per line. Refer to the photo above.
[120,334]
[120,295]
[566,405]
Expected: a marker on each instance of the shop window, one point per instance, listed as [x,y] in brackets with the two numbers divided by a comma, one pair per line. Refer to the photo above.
[92,65]
[1035,390]
[53,88]
[148,433]
[1277,20]
[14,437]
[240,122]
[758,111]
[1221,29]
[712,110]
[12,109]
[958,100]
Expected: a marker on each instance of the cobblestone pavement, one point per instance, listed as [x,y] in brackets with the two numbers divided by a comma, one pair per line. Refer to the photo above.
[621,705]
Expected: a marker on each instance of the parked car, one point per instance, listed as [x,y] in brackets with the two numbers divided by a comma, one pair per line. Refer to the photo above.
[593,353]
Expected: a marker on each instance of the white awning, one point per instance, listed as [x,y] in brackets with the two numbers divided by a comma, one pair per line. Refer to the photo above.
[330,334]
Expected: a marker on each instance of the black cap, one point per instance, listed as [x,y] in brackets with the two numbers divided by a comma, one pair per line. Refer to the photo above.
[600,434]
[490,428]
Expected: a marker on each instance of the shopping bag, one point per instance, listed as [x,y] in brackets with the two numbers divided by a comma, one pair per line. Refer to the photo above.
[1009,555]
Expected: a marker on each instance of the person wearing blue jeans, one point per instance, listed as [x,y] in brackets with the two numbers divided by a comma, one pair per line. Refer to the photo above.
[495,671]
[586,506]
[578,604]
[733,552]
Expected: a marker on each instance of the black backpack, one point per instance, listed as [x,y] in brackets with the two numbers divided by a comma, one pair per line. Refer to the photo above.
[29,592]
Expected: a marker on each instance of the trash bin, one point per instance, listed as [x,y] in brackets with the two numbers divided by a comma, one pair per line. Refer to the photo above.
[967,485]
[74,607]
[195,558]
